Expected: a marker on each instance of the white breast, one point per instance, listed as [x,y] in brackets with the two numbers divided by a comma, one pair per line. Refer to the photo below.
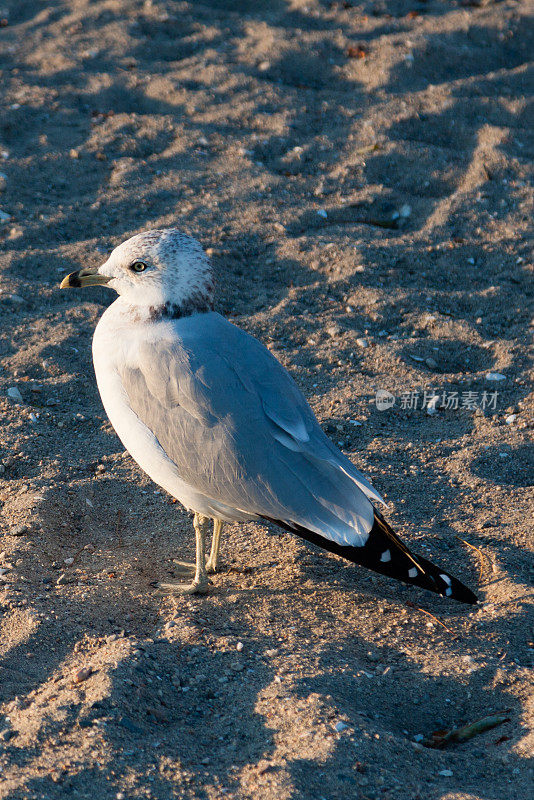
[115,341]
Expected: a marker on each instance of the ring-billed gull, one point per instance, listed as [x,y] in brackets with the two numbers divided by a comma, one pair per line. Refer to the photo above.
[212,417]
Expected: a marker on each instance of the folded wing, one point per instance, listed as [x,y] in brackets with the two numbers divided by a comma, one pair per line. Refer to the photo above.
[240,431]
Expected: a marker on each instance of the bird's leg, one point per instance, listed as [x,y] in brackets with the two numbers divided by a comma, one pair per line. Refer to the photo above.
[212,564]
[200,581]
[213,561]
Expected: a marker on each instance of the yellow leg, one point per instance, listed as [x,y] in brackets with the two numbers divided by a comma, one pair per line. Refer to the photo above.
[200,580]
[213,561]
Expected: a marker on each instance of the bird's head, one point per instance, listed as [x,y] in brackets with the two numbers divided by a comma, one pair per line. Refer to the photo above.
[160,270]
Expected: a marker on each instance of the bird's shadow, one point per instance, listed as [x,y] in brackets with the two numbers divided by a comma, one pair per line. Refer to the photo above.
[164,684]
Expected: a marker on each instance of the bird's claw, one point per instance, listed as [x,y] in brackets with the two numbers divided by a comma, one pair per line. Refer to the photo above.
[195,587]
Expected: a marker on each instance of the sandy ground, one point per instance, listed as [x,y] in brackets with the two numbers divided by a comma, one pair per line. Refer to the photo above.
[359,174]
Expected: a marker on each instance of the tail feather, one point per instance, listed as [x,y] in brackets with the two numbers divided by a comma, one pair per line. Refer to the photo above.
[385,553]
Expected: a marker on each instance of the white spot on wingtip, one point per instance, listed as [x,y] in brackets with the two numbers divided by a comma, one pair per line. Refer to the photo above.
[413,572]
[386,556]
[445,578]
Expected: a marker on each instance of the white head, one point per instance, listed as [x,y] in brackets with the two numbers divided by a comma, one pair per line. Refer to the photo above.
[160,270]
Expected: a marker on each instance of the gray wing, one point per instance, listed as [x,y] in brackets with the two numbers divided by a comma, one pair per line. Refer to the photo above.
[240,432]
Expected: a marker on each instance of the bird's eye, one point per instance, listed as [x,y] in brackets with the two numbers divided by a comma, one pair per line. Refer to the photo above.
[138,266]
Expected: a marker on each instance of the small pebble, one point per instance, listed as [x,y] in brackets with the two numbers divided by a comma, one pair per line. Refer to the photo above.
[322,213]
[405,210]
[362,342]
[4,217]
[340,726]
[495,376]
[333,330]
[431,363]
[511,418]
[447,773]
[68,561]
[271,653]
[14,394]
[19,530]
[82,674]
[239,646]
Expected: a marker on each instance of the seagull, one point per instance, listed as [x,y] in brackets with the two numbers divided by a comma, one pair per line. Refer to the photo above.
[214,419]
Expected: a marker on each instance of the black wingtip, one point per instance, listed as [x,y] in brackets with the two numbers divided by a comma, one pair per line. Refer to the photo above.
[420,571]
[455,590]
[386,554]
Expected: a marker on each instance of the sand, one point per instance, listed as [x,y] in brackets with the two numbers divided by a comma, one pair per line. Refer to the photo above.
[359,175]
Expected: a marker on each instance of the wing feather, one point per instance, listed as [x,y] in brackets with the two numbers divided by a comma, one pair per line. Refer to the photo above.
[240,431]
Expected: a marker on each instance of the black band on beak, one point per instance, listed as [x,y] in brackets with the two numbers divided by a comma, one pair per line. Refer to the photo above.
[89,276]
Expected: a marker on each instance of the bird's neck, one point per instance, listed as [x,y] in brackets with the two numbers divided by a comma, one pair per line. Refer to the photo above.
[168,310]
[173,310]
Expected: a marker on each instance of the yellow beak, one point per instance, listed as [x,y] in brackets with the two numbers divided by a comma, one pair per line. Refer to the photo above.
[84,277]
